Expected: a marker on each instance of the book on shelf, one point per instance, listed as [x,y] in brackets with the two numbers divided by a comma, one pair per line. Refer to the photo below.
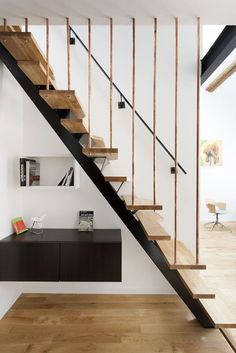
[86,221]
[23,171]
[32,173]
[19,225]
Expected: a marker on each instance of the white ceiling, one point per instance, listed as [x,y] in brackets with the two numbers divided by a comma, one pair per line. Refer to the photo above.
[220,12]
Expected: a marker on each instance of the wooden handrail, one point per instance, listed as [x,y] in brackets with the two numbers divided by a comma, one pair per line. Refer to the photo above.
[198,139]
[176,137]
[154,109]
[228,72]
[133,104]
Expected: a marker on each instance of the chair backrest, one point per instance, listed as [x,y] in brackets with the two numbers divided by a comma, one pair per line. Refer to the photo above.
[211,207]
[221,206]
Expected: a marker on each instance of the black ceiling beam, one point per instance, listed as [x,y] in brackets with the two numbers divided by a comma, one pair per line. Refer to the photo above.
[222,47]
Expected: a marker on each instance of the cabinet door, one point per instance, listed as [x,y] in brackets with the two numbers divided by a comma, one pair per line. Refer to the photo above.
[29,261]
[90,262]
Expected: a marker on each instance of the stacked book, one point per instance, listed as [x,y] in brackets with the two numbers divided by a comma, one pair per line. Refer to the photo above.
[29,172]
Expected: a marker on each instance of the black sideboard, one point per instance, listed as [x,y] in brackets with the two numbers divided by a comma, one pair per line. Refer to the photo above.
[62,255]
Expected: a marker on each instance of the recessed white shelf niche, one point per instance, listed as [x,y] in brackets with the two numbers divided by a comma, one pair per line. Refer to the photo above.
[52,170]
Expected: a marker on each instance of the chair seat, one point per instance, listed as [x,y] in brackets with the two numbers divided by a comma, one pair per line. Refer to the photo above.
[221,212]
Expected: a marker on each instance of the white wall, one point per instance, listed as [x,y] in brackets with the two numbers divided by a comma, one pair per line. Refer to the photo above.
[218,122]
[10,150]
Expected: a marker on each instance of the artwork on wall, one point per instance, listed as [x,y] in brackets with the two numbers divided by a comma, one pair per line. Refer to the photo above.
[211,153]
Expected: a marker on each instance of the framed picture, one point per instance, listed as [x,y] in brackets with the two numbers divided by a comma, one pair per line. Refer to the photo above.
[211,153]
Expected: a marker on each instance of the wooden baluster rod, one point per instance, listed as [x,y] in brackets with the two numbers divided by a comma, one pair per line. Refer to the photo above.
[89,81]
[47,52]
[176,137]
[133,104]
[5,24]
[26,24]
[111,78]
[68,51]
[198,140]
[154,111]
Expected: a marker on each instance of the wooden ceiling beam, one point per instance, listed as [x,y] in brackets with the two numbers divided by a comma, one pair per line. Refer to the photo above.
[227,73]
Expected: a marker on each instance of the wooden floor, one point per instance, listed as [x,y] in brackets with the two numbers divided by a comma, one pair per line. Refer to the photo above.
[105,324]
[218,252]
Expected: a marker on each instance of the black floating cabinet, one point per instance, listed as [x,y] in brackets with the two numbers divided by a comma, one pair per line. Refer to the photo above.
[62,255]
[90,262]
[29,261]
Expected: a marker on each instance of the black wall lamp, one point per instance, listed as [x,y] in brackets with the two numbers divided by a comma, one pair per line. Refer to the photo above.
[121,103]
[72,39]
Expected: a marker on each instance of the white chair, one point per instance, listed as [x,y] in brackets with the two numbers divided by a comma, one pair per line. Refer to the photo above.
[218,209]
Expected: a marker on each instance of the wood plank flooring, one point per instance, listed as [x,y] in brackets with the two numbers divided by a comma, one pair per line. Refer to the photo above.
[218,251]
[105,324]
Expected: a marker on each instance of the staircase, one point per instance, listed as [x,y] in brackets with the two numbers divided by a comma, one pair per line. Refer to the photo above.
[62,110]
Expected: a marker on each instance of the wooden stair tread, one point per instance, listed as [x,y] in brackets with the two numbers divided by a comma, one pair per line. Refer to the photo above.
[185,258]
[97,141]
[35,71]
[150,223]
[11,29]
[116,179]
[230,335]
[219,312]
[63,99]
[196,284]
[139,204]
[23,46]
[101,152]
[74,126]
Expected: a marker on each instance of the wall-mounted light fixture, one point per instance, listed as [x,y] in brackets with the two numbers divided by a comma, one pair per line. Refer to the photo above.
[72,39]
[121,103]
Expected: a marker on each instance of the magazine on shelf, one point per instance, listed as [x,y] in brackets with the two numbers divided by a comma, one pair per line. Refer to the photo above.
[86,221]
[68,179]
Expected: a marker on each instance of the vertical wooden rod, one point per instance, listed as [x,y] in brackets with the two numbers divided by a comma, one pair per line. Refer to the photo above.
[47,52]
[176,137]
[26,24]
[197,140]
[5,24]
[133,104]
[154,111]
[68,51]
[89,81]
[111,78]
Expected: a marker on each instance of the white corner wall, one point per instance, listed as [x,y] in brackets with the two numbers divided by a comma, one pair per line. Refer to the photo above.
[218,122]
[10,150]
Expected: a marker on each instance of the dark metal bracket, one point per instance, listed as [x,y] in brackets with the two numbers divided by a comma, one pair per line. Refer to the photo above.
[121,184]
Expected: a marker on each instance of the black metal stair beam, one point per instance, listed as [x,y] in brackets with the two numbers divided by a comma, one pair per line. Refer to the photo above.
[127,101]
[219,51]
[106,189]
